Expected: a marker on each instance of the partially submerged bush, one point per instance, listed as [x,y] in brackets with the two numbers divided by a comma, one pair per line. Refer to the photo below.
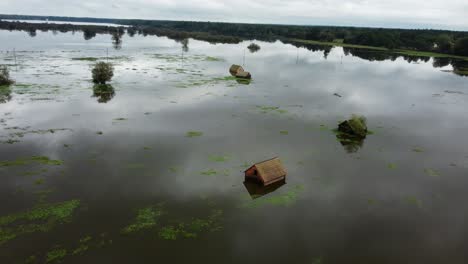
[351,133]
[356,126]
[102,72]
[104,92]
[5,79]
[253,47]
[5,94]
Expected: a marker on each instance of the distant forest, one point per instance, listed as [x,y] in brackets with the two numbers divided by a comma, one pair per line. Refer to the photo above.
[441,41]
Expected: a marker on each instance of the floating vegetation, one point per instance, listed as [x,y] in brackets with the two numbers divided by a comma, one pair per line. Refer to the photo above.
[194,134]
[80,249]
[219,158]
[285,199]
[94,59]
[10,141]
[39,219]
[431,172]
[173,169]
[200,81]
[146,218]
[392,166]
[414,201]
[31,260]
[24,132]
[317,261]
[83,246]
[86,59]
[210,172]
[193,228]
[271,109]
[187,58]
[208,58]
[56,255]
[39,181]
[417,149]
[34,159]
[284,132]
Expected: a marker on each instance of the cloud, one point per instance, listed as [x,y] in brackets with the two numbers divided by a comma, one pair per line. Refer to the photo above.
[449,14]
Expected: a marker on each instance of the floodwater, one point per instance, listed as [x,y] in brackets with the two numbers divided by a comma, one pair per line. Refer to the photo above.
[151,171]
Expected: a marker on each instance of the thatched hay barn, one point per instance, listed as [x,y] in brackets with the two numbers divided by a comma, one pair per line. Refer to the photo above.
[244,75]
[235,69]
[266,172]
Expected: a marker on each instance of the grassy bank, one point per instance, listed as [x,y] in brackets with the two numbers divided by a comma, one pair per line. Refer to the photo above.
[397,51]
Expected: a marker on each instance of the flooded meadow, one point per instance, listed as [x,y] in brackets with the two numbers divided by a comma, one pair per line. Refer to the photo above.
[151,169]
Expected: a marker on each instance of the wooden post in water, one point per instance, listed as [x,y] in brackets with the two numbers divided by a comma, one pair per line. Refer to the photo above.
[14,55]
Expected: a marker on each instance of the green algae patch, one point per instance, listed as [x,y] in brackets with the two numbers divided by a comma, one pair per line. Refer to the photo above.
[215,158]
[31,259]
[39,181]
[414,201]
[417,149]
[86,59]
[264,109]
[431,172]
[41,218]
[208,58]
[56,255]
[80,250]
[193,228]
[174,169]
[210,172]
[204,81]
[146,218]
[34,159]
[284,132]
[83,246]
[192,134]
[286,199]
[392,166]
[317,261]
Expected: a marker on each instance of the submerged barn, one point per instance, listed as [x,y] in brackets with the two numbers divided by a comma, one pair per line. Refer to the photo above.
[238,72]
[244,75]
[266,172]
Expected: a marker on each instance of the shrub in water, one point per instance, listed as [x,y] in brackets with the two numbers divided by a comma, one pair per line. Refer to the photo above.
[253,47]
[356,126]
[5,76]
[102,72]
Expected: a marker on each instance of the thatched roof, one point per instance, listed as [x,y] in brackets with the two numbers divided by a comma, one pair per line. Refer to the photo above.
[270,170]
[235,69]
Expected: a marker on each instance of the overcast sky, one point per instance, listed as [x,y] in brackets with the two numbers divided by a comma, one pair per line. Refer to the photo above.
[446,14]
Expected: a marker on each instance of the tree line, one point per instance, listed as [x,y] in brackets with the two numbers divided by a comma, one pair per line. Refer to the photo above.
[442,41]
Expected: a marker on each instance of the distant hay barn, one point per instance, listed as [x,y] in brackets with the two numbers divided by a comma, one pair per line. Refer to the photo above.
[235,69]
[266,172]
